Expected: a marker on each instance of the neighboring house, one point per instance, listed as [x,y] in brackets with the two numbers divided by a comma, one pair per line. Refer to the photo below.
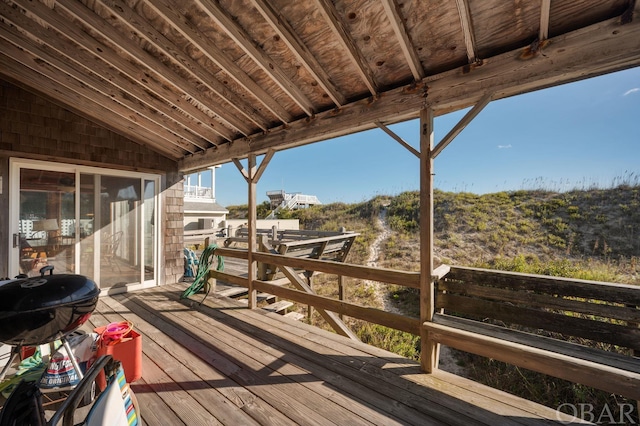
[281,200]
[201,211]
[291,201]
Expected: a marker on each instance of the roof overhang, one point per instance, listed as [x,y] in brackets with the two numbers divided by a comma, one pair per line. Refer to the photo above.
[205,82]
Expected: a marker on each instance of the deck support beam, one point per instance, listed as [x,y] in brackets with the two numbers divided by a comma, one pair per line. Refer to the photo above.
[429,350]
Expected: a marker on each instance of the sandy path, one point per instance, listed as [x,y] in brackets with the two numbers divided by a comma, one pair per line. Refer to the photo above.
[447,360]
[380,290]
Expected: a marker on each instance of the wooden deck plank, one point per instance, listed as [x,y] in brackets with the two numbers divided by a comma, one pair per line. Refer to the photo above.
[406,368]
[501,403]
[189,349]
[256,356]
[181,400]
[382,393]
[333,372]
[197,385]
[289,403]
[298,368]
[324,343]
[154,410]
[220,363]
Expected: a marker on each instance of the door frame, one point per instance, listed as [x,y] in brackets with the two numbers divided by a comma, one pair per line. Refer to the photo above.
[16,164]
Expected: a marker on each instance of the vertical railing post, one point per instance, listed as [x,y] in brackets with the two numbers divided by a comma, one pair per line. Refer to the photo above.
[429,349]
[341,288]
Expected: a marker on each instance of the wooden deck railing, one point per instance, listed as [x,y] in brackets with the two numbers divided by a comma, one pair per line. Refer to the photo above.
[600,312]
[378,316]
[556,326]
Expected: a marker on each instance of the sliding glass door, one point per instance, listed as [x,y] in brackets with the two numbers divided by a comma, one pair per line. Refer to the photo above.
[95,222]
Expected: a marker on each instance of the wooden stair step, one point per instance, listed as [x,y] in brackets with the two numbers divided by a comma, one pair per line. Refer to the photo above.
[232,292]
[294,315]
[266,297]
[278,307]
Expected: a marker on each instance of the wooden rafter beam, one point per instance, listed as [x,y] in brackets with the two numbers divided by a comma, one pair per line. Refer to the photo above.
[108,64]
[391,8]
[29,77]
[598,49]
[467,29]
[337,27]
[93,90]
[299,49]
[268,65]
[75,10]
[215,55]
[108,55]
[545,9]
[145,30]
[83,68]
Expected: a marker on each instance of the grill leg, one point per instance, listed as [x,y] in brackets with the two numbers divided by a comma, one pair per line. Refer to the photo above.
[73,359]
[14,353]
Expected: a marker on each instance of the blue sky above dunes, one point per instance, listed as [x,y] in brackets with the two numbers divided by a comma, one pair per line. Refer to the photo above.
[576,136]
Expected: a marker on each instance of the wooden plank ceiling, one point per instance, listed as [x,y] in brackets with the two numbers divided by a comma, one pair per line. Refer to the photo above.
[206,81]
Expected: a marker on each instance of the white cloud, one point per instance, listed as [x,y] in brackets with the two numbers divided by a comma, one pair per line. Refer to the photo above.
[504,146]
[630,91]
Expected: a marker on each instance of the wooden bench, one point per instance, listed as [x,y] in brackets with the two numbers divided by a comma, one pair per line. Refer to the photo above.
[323,245]
[335,247]
[502,315]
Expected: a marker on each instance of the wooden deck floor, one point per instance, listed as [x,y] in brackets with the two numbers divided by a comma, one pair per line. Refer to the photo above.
[221,363]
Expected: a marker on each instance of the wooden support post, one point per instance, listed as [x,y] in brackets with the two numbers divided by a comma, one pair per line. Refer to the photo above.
[309,307]
[429,349]
[341,290]
[251,264]
[212,282]
[252,176]
[262,267]
[636,352]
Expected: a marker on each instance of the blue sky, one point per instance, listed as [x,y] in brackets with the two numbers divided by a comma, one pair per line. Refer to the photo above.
[578,135]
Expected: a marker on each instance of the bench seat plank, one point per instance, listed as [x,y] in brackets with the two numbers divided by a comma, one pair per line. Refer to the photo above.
[611,372]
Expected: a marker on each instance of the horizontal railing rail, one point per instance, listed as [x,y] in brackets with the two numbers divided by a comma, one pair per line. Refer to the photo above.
[373,315]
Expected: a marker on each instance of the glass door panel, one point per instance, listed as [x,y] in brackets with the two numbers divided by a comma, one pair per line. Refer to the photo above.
[46,217]
[120,201]
[84,220]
